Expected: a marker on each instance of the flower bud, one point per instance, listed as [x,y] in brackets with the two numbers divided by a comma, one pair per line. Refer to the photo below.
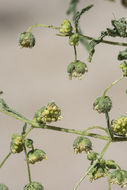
[27,40]
[118,177]
[119,126]
[66,27]
[96,173]
[123,66]
[111,164]
[29,143]
[16,145]
[82,144]
[102,104]
[48,114]
[34,186]
[92,156]
[74,39]
[36,155]
[76,69]
[3,187]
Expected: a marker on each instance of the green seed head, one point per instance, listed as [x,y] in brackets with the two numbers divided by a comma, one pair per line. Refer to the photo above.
[27,40]
[119,126]
[3,187]
[76,69]
[96,173]
[16,145]
[66,27]
[34,186]
[48,114]
[36,155]
[74,39]
[82,144]
[102,104]
[118,177]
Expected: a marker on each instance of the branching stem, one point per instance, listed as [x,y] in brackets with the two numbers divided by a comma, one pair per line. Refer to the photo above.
[92,166]
[42,25]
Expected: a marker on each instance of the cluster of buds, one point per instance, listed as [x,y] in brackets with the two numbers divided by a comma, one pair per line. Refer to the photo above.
[29,143]
[3,187]
[34,186]
[118,177]
[123,66]
[119,126]
[81,144]
[122,55]
[74,39]
[97,172]
[48,114]
[102,104]
[66,27]
[76,69]
[26,40]
[16,145]
[36,155]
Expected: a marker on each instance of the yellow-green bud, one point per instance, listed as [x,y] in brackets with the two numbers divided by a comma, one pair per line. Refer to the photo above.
[76,69]
[82,144]
[102,104]
[118,177]
[111,164]
[123,66]
[48,114]
[36,155]
[74,39]
[29,143]
[92,156]
[66,27]
[119,126]
[34,186]
[3,187]
[16,145]
[27,40]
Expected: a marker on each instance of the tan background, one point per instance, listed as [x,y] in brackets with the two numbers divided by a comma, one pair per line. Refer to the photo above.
[30,78]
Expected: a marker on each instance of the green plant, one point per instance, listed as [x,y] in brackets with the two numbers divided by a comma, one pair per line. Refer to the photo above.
[116,130]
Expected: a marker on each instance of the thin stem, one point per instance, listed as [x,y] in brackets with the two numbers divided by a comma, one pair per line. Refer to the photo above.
[92,166]
[94,127]
[109,184]
[75,53]
[27,161]
[42,25]
[27,132]
[5,159]
[104,41]
[108,124]
[112,84]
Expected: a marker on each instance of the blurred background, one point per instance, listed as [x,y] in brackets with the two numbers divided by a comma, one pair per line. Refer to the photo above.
[31,78]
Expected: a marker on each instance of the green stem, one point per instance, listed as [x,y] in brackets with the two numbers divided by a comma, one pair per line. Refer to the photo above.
[27,132]
[75,53]
[103,41]
[92,166]
[108,125]
[42,25]
[112,84]
[27,161]
[5,159]
[109,184]
[94,127]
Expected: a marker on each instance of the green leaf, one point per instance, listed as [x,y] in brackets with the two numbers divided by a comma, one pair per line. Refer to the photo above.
[78,15]
[24,128]
[72,6]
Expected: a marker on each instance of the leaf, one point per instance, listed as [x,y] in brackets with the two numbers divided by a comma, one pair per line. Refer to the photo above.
[78,15]
[24,128]
[72,7]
